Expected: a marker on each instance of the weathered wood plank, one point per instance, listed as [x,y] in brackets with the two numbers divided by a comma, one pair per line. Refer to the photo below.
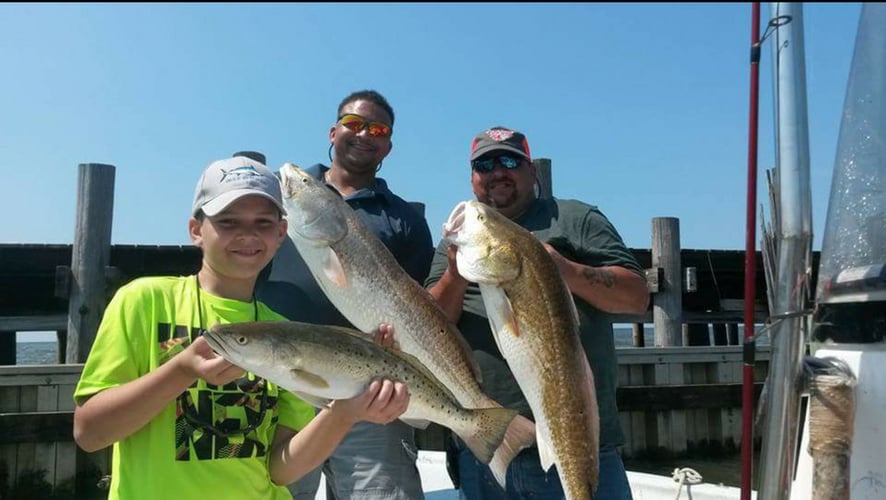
[677,376]
[45,453]
[664,436]
[661,398]
[49,322]
[697,354]
[37,427]
[27,375]
[66,461]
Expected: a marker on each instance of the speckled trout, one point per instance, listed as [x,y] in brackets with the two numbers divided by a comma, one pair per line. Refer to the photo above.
[363,280]
[323,362]
[535,325]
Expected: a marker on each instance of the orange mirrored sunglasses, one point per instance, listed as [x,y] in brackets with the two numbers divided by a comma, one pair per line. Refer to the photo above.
[356,123]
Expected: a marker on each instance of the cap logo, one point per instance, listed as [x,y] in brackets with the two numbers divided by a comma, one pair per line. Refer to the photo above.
[499,135]
[239,173]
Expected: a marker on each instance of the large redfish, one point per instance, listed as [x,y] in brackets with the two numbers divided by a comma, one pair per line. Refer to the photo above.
[535,325]
[324,362]
[363,280]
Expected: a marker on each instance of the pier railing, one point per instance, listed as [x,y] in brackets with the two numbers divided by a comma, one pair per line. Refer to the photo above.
[672,399]
[672,402]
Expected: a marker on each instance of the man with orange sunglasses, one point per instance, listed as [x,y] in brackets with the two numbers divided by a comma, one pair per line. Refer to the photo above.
[373,460]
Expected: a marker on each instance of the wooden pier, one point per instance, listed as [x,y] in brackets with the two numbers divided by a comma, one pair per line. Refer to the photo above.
[680,396]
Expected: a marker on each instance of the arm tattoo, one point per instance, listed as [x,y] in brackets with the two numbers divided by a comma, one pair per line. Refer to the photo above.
[599,276]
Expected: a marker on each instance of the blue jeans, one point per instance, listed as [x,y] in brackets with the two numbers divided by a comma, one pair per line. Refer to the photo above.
[527,480]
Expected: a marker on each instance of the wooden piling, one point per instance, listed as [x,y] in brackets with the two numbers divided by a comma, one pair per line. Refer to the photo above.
[732,333]
[252,155]
[667,304]
[7,347]
[719,334]
[639,334]
[90,257]
[696,334]
[543,173]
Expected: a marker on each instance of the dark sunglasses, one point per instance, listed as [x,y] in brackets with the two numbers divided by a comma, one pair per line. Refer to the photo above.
[356,123]
[195,421]
[487,164]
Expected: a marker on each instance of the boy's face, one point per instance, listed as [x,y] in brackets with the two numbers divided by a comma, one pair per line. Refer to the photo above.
[240,241]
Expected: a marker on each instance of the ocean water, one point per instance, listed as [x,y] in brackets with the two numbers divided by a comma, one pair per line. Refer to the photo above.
[42,353]
[36,353]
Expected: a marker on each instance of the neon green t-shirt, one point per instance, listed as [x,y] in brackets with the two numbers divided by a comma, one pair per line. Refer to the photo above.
[175,456]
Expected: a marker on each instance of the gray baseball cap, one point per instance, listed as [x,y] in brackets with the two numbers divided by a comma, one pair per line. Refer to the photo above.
[226,181]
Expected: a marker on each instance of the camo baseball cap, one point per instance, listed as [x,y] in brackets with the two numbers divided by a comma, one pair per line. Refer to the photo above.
[226,181]
[499,138]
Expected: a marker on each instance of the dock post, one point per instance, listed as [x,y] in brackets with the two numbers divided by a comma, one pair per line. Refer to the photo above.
[90,256]
[543,173]
[7,348]
[667,303]
[638,335]
[732,333]
[720,334]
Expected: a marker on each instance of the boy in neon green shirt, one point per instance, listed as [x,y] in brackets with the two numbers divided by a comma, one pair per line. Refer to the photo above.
[184,422]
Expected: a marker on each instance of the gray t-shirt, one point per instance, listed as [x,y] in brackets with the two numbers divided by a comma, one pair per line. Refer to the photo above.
[581,233]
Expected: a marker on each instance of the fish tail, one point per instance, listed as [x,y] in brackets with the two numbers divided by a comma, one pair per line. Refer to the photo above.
[487,430]
[520,434]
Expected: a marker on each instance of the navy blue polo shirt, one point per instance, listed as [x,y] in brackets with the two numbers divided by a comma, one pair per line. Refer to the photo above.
[287,285]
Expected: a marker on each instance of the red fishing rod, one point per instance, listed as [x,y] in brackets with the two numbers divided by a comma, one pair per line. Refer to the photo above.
[750,267]
[747,405]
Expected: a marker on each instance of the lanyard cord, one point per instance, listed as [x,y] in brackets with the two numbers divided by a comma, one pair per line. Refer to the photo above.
[243,384]
[200,306]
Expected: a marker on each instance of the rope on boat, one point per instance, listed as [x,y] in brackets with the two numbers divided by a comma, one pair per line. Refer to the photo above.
[685,475]
[831,423]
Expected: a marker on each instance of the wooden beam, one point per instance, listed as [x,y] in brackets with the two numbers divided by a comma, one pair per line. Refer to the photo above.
[681,397]
[50,322]
[37,427]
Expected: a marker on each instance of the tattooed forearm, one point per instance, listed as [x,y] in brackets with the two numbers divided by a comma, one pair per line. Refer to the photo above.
[598,276]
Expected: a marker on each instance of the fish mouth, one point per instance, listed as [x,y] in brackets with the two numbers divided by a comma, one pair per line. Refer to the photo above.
[217,344]
[455,222]
[287,175]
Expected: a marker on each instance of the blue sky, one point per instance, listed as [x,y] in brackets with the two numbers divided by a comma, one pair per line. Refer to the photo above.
[643,109]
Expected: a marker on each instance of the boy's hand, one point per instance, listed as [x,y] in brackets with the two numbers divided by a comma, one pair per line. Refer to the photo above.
[200,361]
[382,403]
[384,336]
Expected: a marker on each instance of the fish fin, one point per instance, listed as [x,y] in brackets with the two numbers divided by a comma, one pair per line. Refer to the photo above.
[545,453]
[572,306]
[315,401]
[501,314]
[519,435]
[466,351]
[484,433]
[310,378]
[417,422]
[593,420]
[333,269]
[511,318]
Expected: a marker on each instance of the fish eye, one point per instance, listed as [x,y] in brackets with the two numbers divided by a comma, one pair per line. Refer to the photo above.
[242,340]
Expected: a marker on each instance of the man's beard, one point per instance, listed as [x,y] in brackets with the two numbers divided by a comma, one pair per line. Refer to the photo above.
[490,200]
